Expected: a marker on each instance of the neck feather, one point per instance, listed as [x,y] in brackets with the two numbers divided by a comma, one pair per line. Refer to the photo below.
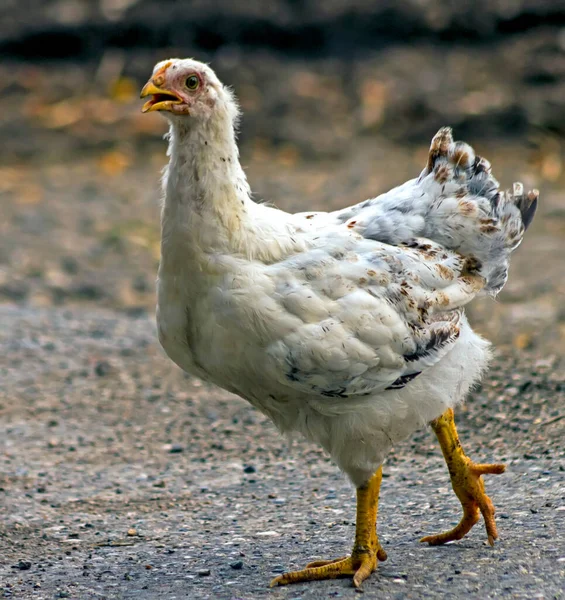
[206,191]
[207,209]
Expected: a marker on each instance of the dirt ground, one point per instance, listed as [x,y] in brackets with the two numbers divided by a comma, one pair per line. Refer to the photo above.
[122,477]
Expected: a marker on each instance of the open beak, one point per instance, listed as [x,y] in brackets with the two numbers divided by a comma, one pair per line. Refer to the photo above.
[161,99]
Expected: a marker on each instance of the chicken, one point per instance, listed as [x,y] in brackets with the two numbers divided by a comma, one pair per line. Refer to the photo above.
[347,327]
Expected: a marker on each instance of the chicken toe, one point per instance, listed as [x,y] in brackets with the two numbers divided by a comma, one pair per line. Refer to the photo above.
[367,551]
[467,483]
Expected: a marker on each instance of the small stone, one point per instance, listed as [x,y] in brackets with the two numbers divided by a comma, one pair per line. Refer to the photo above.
[69,265]
[140,284]
[135,312]
[203,572]
[15,290]
[102,368]
[237,565]
[176,449]
[249,469]
[23,565]
[132,532]
[87,291]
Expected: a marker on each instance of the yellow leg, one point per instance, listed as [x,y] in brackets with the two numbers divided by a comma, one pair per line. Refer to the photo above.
[366,550]
[467,483]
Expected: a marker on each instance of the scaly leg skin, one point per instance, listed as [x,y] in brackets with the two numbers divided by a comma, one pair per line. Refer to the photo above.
[366,550]
[467,483]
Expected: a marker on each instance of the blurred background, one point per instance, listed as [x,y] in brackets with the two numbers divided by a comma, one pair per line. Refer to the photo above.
[111,458]
[340,100]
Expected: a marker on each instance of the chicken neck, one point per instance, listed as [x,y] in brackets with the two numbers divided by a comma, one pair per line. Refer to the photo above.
[206,194]
[207,211]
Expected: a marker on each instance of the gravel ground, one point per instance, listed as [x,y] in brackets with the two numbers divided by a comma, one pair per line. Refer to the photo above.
[124,478]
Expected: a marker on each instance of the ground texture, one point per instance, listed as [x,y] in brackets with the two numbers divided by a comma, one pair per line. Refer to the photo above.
[123,478]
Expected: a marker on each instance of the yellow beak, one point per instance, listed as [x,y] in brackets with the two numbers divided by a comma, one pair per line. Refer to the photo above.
[161,99]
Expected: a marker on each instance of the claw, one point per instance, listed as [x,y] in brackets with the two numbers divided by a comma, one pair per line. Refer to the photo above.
[323,563]
[488,469]
[360,566]
[367,551]
[467,483]
[470,490]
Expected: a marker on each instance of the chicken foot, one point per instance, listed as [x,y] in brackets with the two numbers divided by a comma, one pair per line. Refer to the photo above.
[366,553]
[467,483]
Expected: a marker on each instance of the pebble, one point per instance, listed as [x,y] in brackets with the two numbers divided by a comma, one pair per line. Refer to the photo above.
[237,565]
[102,368]
[249,469]
[176,449]
[203,572]
[70,265]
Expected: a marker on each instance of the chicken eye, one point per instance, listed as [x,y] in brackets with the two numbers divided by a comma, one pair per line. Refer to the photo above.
[192,82]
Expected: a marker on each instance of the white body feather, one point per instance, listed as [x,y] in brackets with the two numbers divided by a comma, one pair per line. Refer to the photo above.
[346,327]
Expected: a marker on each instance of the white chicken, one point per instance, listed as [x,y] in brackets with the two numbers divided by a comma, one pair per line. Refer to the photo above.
[347,327]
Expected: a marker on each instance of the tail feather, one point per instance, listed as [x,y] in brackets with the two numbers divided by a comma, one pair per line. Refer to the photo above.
[527,203]
[457,203]
[471,213]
